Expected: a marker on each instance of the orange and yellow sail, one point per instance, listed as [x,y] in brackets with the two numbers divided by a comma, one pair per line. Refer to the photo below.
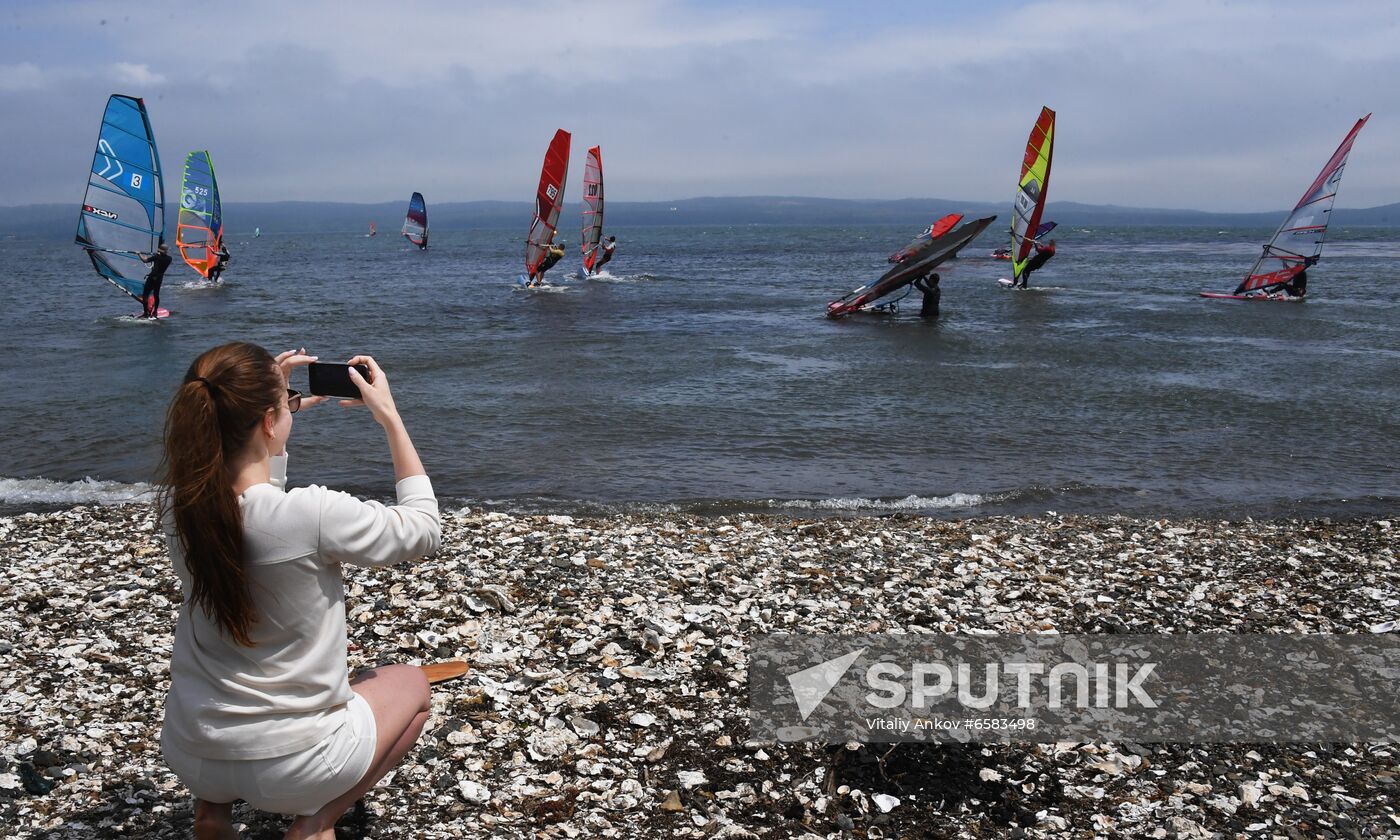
[1032,190]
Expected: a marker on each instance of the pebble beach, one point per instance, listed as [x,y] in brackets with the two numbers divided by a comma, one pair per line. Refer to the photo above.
[608,698]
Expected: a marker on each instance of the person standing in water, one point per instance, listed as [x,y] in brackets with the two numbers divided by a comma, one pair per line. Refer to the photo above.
[260,706]
[150,293]
[1043,253]
[929,286]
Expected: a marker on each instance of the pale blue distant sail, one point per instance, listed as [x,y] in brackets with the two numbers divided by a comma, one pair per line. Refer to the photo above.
[123,211]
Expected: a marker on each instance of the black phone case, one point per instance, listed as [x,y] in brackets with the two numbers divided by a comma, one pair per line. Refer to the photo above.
[333,380]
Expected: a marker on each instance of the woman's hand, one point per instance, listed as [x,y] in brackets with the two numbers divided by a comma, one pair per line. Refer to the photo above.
[374,394]
[290,359]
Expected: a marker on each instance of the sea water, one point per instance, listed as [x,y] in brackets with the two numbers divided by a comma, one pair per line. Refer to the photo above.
[699,374]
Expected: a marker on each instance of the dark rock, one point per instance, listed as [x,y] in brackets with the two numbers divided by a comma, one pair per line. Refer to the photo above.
[33,782]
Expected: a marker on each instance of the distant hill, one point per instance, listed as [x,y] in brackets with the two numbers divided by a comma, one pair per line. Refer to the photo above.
[57,221]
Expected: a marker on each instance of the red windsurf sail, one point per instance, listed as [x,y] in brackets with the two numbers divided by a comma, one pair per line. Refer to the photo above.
[933,231]
[549,200]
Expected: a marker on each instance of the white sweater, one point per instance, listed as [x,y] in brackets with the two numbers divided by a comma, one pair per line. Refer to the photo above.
[289,690]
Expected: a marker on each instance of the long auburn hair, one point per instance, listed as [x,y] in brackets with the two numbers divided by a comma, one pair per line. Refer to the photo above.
[224,396]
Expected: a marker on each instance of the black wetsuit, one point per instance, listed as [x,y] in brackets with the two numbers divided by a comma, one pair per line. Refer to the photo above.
[1042,256]
[217,272]
[929,286]
[150,293]
[550,258]
[1298,286]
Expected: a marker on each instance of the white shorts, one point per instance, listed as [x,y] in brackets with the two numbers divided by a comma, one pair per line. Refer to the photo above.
[299,784]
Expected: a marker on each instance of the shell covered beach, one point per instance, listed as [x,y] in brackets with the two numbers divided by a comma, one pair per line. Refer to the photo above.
[608,688]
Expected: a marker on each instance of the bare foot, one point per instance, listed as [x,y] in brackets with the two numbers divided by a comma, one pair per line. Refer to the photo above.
[213,821]
[309,828]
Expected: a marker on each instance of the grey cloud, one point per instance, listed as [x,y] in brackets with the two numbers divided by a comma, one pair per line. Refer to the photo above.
[728,113]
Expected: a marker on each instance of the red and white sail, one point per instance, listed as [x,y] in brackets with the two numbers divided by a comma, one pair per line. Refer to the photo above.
[592,233]
[1301,235]
[549,200]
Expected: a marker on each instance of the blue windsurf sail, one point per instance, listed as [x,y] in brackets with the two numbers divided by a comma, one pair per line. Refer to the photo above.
[123,212]
[415,223]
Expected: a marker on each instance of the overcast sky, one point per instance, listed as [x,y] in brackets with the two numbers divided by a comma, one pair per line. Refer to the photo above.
[1189,104]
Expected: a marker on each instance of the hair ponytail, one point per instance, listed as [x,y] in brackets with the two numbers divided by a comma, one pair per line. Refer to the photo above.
[224,396]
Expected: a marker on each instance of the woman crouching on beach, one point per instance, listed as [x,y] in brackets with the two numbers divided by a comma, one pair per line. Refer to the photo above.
[260,707]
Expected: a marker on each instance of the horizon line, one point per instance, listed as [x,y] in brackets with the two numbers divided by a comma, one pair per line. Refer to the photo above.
[1122,207]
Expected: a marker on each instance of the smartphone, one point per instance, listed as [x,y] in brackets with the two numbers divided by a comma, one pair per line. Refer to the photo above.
[333,380]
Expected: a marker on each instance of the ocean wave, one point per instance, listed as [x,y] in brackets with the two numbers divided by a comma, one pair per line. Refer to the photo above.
[911,502]
[32,491]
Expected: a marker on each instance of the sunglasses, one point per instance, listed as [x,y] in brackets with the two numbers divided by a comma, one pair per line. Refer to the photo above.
[293,403]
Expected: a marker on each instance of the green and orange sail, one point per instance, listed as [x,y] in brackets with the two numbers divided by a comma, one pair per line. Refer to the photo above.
[200,230]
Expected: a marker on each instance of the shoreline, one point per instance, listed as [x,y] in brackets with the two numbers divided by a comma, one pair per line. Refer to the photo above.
[45,496]
[553,732]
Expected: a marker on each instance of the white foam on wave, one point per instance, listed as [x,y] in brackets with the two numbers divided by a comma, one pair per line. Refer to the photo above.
[911,502]
[546,289]
[606,276]
[22,491]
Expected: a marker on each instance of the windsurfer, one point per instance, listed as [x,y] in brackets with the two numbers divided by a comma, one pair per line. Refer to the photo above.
[929,286]
[1043,253]
[552,255]
[1297,285]
[150,293]
[608,248]
[216,274]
